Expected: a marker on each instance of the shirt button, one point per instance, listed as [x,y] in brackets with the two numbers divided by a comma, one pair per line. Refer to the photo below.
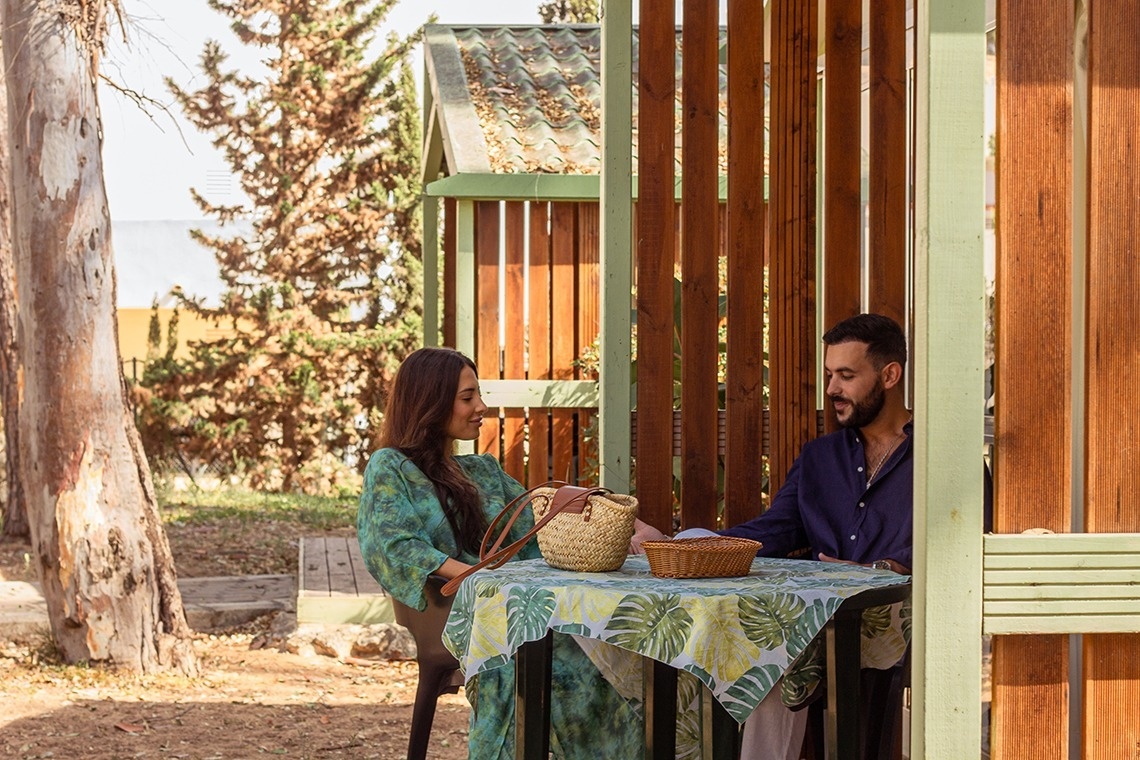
[853,538]
[861,504]
[860,469]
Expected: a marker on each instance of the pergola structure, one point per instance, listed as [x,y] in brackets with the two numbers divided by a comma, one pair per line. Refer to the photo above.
[1063,607]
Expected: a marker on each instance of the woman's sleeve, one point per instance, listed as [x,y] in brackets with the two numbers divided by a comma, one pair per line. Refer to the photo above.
[508,489]
[393,527]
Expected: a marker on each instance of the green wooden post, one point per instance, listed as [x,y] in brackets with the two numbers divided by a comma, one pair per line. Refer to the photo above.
[949,328]
[465,306]
[430,208]
[616,243]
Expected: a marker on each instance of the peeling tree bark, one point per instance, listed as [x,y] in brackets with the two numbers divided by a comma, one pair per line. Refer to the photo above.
[104,562]
[15,515]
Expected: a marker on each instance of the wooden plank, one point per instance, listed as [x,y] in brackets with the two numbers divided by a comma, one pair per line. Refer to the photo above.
[656,249]
[564,341]
[700,287]
[1056,628]
[449,249]
[514,331]
[365,583]
[588,314]
[487,321]
[538,340]
[887,192]
[842,152]
[342,582]
[1034,230]
[1069,609]
[997,544]
[314,567]
[1060,591]
[1070,562]
[791,231]
[1029,577]
[1112,478]
[744,364]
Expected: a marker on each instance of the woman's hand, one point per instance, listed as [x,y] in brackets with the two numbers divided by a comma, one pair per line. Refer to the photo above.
[643,531]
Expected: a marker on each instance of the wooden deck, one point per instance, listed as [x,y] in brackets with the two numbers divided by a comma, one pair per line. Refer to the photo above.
[334,586]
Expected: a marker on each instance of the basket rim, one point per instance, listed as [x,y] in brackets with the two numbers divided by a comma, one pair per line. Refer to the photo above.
[704,542]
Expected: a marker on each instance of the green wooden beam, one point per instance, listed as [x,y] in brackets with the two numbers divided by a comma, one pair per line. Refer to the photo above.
[539,187]
[555,394]
[949,355]
[617,190]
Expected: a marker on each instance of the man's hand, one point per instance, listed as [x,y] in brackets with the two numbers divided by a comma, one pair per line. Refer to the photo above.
[643,531]
[895,566]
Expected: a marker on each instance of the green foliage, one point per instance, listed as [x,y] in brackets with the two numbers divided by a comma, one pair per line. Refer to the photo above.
[321,264]
[570,12]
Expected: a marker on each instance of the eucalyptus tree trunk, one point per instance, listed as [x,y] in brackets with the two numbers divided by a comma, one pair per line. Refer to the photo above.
[15,516]
[103,558]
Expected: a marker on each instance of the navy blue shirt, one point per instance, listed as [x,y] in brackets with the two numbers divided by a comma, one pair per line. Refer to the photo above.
[826,504]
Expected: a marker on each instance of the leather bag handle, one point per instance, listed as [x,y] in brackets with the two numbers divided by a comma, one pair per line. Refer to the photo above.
[566,498]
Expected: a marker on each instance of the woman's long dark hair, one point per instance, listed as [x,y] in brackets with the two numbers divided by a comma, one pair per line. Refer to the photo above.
[419,409]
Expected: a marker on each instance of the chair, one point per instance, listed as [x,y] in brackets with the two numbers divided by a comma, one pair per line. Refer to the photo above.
[438,668]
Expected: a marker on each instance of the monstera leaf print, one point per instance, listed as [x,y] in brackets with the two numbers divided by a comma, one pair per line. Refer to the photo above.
[875,620]
[457,632]
[753,686]
[802,678]
[654,624]
[904,619]
[722,646]
[767,621]
[528,613]
[811,623]
[689,696]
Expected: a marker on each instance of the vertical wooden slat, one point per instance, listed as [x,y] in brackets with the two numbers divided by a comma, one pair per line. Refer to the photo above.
[538,341]
[791,229]
[1034,293]
[449,248]
[655,254]
[563,325]
[842,222]
[589,289]
[888,159]
[744,371]
[514,300]
[487,322]
[699,285]
[1112,486]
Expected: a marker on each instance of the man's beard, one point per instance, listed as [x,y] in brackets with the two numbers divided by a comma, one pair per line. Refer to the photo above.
[864,412]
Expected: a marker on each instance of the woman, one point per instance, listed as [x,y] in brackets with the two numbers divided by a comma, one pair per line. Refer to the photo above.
[424,511]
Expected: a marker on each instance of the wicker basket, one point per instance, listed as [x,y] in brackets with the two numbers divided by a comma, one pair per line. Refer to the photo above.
[706,557]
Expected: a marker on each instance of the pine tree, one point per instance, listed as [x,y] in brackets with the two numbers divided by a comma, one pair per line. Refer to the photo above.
[321,272]
[570,12]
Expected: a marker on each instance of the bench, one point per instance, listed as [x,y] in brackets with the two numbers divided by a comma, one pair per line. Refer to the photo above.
[334,587]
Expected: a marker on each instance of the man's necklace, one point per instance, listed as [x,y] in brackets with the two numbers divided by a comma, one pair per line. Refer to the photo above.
[875,470]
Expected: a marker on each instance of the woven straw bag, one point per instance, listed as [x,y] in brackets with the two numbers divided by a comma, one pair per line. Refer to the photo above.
[594,540]
[584,529]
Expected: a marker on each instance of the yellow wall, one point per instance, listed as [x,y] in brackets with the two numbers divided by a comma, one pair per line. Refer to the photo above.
[134,325]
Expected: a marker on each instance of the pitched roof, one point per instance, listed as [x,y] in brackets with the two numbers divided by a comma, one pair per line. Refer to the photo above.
[527,99]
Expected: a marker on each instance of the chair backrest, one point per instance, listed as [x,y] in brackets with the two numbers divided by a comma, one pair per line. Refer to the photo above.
[426,627]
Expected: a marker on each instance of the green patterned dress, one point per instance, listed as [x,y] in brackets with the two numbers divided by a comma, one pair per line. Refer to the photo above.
[405,537]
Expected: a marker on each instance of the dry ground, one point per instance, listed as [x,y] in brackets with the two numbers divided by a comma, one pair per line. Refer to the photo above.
[247,703]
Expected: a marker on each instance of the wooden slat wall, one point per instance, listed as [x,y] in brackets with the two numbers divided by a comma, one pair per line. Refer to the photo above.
[487,309]
[563,326]
[514,332]
[1032,482]
[449,248]
[589,290]
[887,265]
[655,256]
[699,278]
[1112,662]
[538,340]
[746,233]
[842,149]
[791,230]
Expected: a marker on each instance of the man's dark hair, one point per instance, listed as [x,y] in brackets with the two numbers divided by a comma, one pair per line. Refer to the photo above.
[883,336]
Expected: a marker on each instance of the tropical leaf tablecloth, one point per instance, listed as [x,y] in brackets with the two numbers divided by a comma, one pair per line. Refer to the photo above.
[737,636]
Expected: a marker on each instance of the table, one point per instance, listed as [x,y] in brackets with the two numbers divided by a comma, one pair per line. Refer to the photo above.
[737,636]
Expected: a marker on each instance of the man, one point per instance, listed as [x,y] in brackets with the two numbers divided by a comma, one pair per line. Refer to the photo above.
[848,496]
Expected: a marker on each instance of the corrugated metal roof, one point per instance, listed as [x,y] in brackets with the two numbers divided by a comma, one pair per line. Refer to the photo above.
[535,92]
